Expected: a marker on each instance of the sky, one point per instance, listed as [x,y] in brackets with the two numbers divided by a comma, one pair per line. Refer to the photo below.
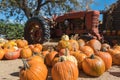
[101,5]
[98,5]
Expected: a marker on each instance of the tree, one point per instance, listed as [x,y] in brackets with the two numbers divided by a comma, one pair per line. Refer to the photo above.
[22,9]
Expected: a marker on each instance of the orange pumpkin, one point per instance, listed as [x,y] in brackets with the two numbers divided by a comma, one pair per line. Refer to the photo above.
[93,66]
[63,51]
[87,50]
[31,46]
[65,70]
[2,53]
[7,50]
[10,55]
[74,44]
[105,47]
[115,53]
[106,57]
[95,44]
[36,48]
[9,44]
[55,60]
[44,53]
[25,52]
[63,44]
[49,57]
[36,58]
[39,46]
[81,42]
[33,71]
[21,43]
[80,56]
[116,47]
[69,57]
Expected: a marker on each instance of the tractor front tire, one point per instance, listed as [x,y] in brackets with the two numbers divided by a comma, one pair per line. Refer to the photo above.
[36,30]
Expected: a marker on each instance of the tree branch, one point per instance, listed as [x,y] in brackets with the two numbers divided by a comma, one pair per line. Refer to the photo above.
[38,7]
[23,6]
[40,4]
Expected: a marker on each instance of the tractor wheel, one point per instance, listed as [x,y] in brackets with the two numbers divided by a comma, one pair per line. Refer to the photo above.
[36,30]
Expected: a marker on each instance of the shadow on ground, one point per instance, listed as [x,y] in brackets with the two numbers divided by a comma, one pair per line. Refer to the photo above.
[15,74]
[117,74]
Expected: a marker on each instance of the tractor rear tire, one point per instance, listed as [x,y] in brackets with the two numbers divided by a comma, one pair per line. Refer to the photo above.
[36,30]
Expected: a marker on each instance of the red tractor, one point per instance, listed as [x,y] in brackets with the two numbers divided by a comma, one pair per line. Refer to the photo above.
[84,23]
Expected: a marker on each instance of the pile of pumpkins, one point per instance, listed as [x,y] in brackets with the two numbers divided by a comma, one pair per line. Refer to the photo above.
[13,49]
[66,59]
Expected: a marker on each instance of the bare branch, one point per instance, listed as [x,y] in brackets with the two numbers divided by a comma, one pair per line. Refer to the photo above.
[48,1]
[23,6]
[38,7]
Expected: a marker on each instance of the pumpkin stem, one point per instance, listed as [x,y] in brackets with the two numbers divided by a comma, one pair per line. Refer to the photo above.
[26,65]
[61,59]
[92,56]
[34,53]
[104,49]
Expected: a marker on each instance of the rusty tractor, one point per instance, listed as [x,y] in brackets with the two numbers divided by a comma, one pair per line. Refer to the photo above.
[83,23]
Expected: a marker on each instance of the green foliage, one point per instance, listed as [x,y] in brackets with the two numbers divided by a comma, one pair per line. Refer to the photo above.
[11,31]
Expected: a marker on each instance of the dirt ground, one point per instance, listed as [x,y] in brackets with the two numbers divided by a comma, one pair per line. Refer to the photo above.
[9,70]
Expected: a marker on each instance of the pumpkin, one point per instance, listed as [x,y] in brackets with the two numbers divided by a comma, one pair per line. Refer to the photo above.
[36,48]
[64,43]
[81,42]
[95,44]
[65,37]
[10,55]
[2,40]
[33,71]
[44,53]
[74,44]
[9,44]
[64,70]
[116,47]
[93,66]
[1,44]
[2,52]
[36,58]
[39,46]
[49,57]
[69,57]
[115,53]
[63,51]
[31,46]
[80,56]
[105,47]
[87,50]
[9,50]
[21,43]
[106,57]
[25,52]
[12,42]
[55,60]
